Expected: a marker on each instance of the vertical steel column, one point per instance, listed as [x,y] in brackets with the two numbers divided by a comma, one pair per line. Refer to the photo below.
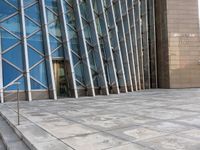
[152,43]
[96,39]
[67,49]
[111,23]
[24,41]
[145,42]
[139,40]
[82,41]
[1,74]
[51,79]
[121,33]
[134,40]
[128,39]
[108,46]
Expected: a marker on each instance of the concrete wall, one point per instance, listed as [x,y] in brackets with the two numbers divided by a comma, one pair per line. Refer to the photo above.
[162,43]
[184,43]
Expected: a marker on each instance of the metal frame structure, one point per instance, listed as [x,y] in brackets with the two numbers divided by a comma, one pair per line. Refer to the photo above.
[134,40]
[108,46]
[128,38]
[123,45]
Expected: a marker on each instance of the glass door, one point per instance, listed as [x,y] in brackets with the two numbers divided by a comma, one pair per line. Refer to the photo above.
[60,78]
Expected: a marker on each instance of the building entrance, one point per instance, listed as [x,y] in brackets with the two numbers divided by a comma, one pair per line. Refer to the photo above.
[60,79]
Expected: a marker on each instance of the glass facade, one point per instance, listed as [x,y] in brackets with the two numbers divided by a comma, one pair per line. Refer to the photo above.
[73,48]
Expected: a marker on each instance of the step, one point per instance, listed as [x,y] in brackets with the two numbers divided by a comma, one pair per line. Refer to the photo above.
[9,137]
[34,136]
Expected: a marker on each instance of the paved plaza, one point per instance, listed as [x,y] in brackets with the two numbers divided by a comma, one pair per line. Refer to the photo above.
[146,120]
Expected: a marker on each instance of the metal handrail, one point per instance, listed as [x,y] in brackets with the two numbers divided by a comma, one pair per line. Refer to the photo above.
[18,107]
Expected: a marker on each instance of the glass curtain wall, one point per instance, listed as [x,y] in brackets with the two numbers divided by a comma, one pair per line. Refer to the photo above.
[128,39]
[145,43]
[11,47]
[138,22]
[98,47]
[93,48]
[105,46]
[79,58]
[113,35]
[35,46]
[122,42]
[133,31]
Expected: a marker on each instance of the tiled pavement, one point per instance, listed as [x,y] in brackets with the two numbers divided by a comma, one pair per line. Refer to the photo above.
[147,120]
[1,145]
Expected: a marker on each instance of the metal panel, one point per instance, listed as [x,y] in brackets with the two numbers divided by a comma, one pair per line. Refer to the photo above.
[51,79]
[24,40]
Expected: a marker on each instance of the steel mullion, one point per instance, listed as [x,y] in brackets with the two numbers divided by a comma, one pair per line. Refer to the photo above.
[109,47]
[83,40]
[39,82]
[130,49]
[12,82]
[13,65]
[94,37]
[139,42]
[124,47]
[10,16]
[1,74]
[51,79]
[133,27]
[153,59]
[10,48]
[145,46]
[68,52]
[24,39]
[116,50]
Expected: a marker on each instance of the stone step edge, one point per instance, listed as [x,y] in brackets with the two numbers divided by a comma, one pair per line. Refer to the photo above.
[20,135]
[10,139]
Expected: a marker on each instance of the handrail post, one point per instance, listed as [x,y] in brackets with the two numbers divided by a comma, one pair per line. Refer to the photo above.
[18,109]
[1,96]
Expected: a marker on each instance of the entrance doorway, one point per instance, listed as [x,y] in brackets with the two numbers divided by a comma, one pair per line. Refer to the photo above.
[60,78]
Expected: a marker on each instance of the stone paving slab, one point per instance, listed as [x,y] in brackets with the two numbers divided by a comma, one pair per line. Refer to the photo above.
[145,120]
[2,147]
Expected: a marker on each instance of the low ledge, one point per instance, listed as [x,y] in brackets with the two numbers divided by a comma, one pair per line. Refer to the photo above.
[27,132]
[9,137]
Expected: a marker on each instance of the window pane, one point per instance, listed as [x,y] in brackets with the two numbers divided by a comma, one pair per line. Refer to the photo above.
[9,73]
[36,41]
[13,25]
[34,57]
[7,40]
[39,73]
[15,56]
[5,9]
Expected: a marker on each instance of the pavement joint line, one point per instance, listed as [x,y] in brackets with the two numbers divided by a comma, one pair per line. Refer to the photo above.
[106,131]
[173,120]
[39,127]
